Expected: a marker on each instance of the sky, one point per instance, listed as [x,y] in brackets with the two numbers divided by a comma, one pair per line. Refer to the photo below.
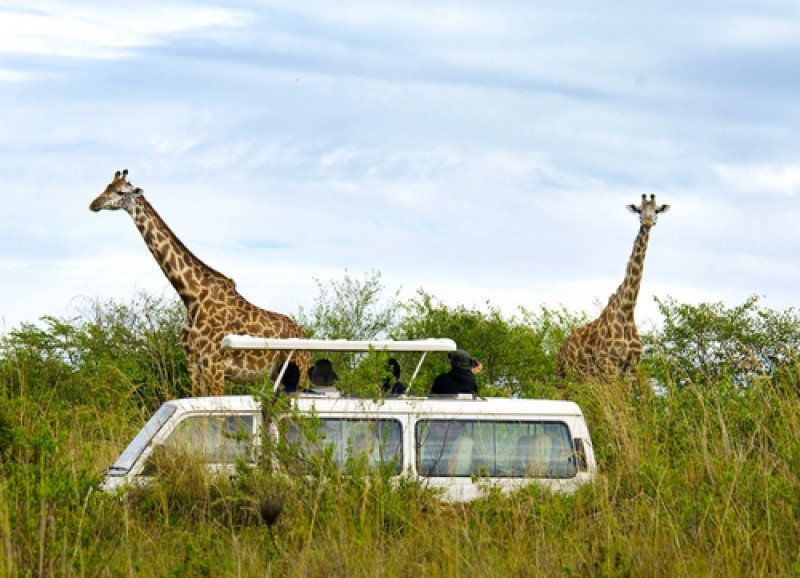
[480,151]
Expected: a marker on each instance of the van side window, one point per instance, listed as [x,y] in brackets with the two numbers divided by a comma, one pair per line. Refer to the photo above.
[444,448]
[460,448]
[215,438]
[381,441]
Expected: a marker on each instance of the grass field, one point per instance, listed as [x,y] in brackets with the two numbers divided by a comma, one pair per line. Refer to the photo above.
[698,480]
[690,484]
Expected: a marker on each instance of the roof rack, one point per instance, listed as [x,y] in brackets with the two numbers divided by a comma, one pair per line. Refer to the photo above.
[295,343]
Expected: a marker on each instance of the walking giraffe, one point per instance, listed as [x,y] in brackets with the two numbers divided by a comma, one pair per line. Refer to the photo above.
[213,306]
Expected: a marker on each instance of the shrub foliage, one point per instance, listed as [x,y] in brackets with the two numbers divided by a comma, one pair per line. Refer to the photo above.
[698,474]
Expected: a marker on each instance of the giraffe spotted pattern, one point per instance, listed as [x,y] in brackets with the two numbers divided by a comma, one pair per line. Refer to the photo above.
[213,306]
[609,347]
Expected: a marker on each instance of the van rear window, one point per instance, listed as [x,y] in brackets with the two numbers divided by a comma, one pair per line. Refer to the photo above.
[381,441]
[514,449]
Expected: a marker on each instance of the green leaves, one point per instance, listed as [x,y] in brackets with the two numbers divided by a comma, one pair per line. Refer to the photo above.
[710,343]
[114,350]
[700,477]
[518,352]
[349,309]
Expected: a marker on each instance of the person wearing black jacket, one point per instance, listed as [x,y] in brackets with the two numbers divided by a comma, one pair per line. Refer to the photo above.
[291,378]
[460,378]
[393,384]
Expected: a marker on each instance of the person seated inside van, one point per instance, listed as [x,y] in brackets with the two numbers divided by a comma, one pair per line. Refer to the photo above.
[545,455]
[446,449]
[461,377]
[532,456]
[392,384]
[322,376]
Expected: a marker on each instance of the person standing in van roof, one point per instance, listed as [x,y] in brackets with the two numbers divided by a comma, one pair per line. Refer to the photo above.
[322,376]
[393,384]
[291,378]
[461,377]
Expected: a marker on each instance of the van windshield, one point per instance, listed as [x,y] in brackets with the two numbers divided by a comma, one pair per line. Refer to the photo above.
[125,461]
[216,438]
[514,449]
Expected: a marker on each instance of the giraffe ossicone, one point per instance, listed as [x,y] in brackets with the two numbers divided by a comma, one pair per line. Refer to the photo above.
[609,348]
[214,308]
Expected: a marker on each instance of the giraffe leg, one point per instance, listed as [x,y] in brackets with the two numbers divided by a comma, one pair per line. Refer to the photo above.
[208,378]
[303,361]
[192,362]
[570,358]
[216,378]
[196,376]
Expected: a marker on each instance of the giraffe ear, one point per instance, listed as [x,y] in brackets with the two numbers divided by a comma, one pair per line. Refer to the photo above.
[662,209]
[634,209]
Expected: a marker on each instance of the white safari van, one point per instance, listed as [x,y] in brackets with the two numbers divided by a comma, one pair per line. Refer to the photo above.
[455,443]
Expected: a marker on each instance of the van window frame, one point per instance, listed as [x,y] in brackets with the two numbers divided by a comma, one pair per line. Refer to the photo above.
[451,452]
[144,438]
[341,452]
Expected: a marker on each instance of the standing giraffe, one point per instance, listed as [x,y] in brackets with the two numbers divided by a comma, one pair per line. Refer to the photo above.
[609,347]
[213,306]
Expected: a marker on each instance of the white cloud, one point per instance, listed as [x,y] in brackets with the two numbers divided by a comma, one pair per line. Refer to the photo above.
[755,31]
[13,75]
[438,19]
[84,31]
[757,179]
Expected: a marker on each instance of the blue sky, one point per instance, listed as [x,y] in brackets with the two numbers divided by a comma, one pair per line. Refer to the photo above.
[481,151]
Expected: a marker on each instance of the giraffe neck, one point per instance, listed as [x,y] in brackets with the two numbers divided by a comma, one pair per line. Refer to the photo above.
[628,291]
[187,274]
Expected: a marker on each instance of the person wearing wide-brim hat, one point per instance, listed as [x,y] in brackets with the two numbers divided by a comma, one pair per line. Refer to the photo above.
[461,377]
[322,376]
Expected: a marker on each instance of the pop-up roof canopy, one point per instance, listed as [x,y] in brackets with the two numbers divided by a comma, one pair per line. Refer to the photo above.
[423,346]
[295,344]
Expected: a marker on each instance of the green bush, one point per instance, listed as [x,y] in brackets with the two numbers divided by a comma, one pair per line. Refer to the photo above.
[700,476]
[116,351]
[708,343]
[518,353]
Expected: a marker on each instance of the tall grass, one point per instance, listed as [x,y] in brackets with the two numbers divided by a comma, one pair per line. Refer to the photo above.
[700,479]
[692,483]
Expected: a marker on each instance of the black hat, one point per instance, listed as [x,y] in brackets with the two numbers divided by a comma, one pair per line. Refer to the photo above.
[460,359]
[322,374]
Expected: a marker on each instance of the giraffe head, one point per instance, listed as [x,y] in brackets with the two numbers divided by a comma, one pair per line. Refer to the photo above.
[648,211]
[118,194]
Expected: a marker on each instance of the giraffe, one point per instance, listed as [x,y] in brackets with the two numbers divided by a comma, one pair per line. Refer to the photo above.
[609,347]
[213,306]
